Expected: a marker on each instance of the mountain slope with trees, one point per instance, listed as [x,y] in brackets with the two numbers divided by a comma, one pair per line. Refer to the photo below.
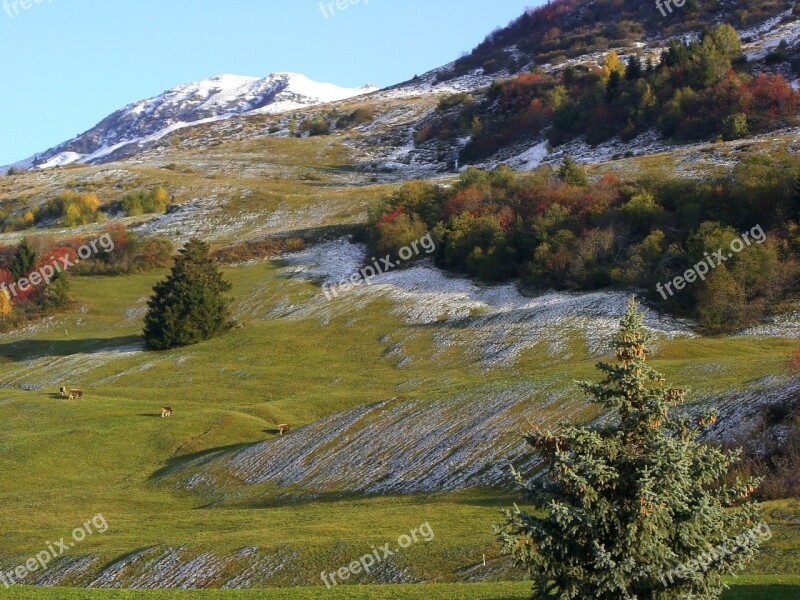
[564,29]
[698,90]
[555,229]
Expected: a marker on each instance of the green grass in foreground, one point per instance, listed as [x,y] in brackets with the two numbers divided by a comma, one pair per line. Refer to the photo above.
[63,462]
[743,588]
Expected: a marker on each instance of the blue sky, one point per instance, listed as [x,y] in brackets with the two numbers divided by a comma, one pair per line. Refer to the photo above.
[69,63]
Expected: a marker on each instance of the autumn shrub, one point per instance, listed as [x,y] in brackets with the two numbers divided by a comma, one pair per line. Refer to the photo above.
[698,90]
[70,209]
[259,249]
[360,116]
[452,100]
[316,125]
[396,230]
[143,202]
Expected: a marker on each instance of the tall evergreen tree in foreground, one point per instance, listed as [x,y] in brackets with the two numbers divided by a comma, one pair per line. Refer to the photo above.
[189,306]
[635,508]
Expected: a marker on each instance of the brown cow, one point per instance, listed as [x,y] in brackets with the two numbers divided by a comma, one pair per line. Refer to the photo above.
[166,411]
[284,428]
[75,394]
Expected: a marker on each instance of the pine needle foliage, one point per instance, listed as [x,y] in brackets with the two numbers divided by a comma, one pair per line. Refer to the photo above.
[189,306]
[625,507]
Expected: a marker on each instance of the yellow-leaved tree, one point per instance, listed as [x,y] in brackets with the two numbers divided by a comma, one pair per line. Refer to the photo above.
[612,64]
[5,304]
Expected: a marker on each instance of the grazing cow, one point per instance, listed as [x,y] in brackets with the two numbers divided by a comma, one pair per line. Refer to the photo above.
[63,391]
[166,411]
[284,429]
[75,394]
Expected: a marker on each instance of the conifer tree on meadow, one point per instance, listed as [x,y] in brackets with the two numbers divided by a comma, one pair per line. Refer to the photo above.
[637,507]
[189,306]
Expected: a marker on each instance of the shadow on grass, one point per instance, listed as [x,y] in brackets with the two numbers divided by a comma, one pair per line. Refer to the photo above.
[762,592]
[275,431]
[30,349]
[204,456]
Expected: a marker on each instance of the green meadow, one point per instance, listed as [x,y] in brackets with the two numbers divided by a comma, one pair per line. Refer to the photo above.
[288,361]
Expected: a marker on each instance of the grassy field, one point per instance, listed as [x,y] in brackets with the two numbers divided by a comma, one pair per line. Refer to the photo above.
[62,462]
[744,588]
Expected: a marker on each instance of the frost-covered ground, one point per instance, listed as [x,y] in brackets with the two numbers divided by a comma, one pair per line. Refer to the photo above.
[207,218]
[417,442]
[765,37]
[401,446]
[493,324]
[426,443]
[786,325]
[53,371]
[171,567]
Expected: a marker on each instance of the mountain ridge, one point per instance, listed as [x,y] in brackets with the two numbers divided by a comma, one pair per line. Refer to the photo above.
[216,98]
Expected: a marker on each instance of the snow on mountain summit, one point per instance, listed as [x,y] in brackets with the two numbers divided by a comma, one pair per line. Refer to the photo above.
[217,98]
[234,94]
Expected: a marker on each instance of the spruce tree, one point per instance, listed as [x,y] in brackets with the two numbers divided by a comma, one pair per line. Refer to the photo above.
[571,172]
[189,306]
[634,68]
[635,508]
[23,261]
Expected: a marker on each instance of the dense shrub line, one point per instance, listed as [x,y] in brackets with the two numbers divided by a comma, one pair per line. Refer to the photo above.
[554,229]
[257,249]
[71,209]
[131,254]
[142,202]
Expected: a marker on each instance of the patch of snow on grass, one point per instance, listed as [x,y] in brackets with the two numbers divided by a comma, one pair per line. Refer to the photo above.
[51,370]
[787,326]
[530,159]
[504,321]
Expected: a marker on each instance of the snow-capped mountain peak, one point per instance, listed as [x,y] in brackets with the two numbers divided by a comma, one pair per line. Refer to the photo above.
[213,99]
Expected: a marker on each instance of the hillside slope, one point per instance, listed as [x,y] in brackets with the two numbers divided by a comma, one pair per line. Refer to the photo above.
[407,398]
[140,124]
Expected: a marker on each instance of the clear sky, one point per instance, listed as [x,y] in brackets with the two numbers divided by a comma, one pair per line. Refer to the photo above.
[69,63]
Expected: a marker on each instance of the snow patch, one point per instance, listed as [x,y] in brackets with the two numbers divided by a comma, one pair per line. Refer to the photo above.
[530,159]
[502,320]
